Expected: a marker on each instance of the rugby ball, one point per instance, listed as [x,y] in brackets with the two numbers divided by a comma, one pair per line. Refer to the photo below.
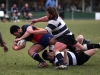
[21,42]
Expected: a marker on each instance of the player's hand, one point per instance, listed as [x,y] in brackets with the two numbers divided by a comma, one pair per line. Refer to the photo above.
[43,64]
[33,21]
[17,39]
[77,49]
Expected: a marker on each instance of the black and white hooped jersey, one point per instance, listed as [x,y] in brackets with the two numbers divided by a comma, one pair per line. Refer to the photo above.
[71,58]
[57,27]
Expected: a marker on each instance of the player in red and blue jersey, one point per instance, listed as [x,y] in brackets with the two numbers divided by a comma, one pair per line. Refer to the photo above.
[41,41]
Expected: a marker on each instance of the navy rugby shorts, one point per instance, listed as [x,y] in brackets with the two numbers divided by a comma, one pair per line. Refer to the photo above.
[44,42]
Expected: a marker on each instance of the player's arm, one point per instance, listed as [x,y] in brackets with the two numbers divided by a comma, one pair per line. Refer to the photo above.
[3,44]
[16,48]
[65,57]
[42,19]
[42,31]
[1,40]
[47,29]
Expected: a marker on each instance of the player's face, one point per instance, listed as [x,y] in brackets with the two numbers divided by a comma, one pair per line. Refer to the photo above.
[48,15]
[14,5]
[26,5]
[3,6]
[50,55]
[17,34]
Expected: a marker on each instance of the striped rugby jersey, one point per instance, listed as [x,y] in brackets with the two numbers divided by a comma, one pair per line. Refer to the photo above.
[71,58]
[57,27]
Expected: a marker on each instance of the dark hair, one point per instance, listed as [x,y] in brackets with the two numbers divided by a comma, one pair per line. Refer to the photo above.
[14,28]
[52,11]
[44,55]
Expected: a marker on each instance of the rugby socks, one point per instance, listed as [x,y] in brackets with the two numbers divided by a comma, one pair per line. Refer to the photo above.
[85,41]
[91,46]
[51,47]
[60,58]
[37,57]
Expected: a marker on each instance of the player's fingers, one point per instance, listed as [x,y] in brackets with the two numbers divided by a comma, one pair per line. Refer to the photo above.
[31,23]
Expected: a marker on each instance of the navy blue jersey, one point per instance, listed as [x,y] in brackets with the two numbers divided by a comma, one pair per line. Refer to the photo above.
[42,40]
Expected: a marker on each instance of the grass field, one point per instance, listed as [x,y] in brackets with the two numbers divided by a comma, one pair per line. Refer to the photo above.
[20,63]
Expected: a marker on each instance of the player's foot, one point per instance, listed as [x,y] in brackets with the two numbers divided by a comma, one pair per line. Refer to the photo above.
[86,41]
[43,64]
[61,67]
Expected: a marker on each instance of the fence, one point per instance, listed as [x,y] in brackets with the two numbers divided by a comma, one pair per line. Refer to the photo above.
[69,15]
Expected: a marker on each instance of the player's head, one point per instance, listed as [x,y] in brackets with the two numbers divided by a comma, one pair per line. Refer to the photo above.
[2,5]
[26,5]
[15,30]
[14,5]
[47,55]
[51,12]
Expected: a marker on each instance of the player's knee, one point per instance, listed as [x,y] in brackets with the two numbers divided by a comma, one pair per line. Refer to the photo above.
[29,52]
[80,37]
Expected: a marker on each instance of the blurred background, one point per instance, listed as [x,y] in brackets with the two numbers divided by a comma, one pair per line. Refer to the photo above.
[68,9]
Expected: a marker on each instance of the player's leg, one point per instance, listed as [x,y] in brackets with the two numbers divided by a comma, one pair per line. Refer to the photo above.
[51,44]
[91,46]
[80,46]
[70,40]
[85,56]
[80,39]
[1,40]
[18,15]
[33,52]
[57,49]
[90,52]
[30,15]
[2,43]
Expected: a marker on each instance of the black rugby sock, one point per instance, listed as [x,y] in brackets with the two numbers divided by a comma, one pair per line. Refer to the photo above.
[91,46]
[37,57]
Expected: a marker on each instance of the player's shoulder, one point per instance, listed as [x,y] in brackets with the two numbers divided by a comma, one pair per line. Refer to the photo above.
[54,22]
[25,26]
